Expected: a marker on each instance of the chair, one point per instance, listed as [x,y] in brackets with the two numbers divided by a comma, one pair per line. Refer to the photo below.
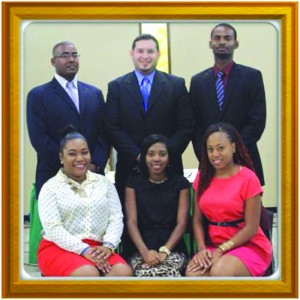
[266,224]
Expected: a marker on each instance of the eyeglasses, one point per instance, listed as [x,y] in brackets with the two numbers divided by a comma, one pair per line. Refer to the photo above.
[67,55]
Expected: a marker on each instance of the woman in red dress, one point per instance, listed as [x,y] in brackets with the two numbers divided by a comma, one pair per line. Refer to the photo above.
[228,198]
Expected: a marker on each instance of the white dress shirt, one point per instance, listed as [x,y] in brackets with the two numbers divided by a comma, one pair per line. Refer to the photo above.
[70,212]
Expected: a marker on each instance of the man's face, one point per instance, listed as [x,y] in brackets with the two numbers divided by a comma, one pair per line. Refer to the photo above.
[66,62]
[145,56]
[223,42]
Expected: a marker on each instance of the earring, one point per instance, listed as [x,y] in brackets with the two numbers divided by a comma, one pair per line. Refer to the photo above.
[61,162]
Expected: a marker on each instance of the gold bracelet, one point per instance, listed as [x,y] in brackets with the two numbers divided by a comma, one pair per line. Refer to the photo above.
[226,246]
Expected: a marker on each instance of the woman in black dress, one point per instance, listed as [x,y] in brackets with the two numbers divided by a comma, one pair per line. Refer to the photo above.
[157,205]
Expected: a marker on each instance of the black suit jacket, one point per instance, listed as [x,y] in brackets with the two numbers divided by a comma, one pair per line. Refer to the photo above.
[244,107]
[49,110]
[169,113]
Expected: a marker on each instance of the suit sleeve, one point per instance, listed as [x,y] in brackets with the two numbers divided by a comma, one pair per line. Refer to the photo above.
[46,148]
[184,118]
[198,132]
[101,152]
[119,138]
[255,126]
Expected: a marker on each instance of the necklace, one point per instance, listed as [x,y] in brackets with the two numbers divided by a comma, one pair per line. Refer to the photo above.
[158,182]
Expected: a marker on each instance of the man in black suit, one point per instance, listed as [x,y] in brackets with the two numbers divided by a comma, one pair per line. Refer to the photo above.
[50,108]
[129,119]
[237,98]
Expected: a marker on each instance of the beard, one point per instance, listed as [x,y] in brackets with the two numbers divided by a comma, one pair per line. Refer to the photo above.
[223,55]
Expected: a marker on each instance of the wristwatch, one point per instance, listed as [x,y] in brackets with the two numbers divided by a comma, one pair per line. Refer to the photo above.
[164,249]
[110,246]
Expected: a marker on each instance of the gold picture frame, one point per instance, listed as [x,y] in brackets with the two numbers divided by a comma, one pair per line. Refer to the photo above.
[13,14]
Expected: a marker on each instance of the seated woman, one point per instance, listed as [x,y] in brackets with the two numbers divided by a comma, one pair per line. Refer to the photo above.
[157,205]
[81,216]
[228,195]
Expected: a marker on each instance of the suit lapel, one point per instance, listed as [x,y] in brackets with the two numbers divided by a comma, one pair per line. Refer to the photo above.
[231,83]
[159,83]
[134,91]
[58,90]
[83,96]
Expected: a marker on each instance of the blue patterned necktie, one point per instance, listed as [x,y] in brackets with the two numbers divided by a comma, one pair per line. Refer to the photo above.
[71,89]
[145,89]
[220,89]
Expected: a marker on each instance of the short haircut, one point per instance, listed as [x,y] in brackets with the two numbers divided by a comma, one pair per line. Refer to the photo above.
[145,36]
[60,44]
[224,25]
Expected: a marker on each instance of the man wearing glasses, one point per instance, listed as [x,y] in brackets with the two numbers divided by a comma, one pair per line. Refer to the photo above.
[58,103]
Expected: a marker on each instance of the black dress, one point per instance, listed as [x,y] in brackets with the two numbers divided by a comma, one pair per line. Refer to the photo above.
[157,207]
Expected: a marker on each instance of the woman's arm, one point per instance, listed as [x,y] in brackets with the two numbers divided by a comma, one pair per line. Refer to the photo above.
[115,225]
[202,259]
[182,219]
[52,222]
[252,219]
[149,256]
[198,224]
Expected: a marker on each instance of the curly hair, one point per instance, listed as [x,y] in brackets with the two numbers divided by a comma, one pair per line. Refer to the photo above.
[241,155]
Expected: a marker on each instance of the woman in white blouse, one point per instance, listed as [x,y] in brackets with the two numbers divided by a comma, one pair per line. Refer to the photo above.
[81,216]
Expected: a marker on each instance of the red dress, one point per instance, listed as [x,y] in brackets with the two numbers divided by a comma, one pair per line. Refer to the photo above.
[224,201]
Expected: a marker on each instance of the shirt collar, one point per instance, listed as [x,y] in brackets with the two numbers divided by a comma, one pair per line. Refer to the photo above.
[90,177]
[226,70]
[63,82]
[140,76]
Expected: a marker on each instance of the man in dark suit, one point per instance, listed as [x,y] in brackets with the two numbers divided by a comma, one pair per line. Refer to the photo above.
[50,108]
[129,119]
[235,96]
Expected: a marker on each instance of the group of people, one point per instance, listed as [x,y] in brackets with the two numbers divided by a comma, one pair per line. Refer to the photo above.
[149,117]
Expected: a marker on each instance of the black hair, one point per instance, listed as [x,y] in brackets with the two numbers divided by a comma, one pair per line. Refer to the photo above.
[60,44]
[69,133]
[224,25]
[241,155]
[145,36]
[147,143]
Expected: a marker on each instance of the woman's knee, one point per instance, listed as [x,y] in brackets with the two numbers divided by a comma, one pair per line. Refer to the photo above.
[229,266]
[189,273]
[219,269]
[121,270]
[86,271]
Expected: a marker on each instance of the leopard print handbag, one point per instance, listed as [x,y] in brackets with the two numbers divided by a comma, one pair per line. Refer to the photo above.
[174,266]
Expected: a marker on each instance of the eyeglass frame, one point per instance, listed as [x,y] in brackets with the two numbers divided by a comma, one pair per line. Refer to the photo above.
[67,55]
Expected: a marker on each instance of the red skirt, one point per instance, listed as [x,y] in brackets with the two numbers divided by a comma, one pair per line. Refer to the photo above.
[55,261]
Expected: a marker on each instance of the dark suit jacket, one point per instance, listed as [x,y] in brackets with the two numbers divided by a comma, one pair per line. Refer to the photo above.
[244,107]
[169,113]
[49,110]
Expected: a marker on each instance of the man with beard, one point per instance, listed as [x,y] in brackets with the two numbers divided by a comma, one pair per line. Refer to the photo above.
[230,93]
